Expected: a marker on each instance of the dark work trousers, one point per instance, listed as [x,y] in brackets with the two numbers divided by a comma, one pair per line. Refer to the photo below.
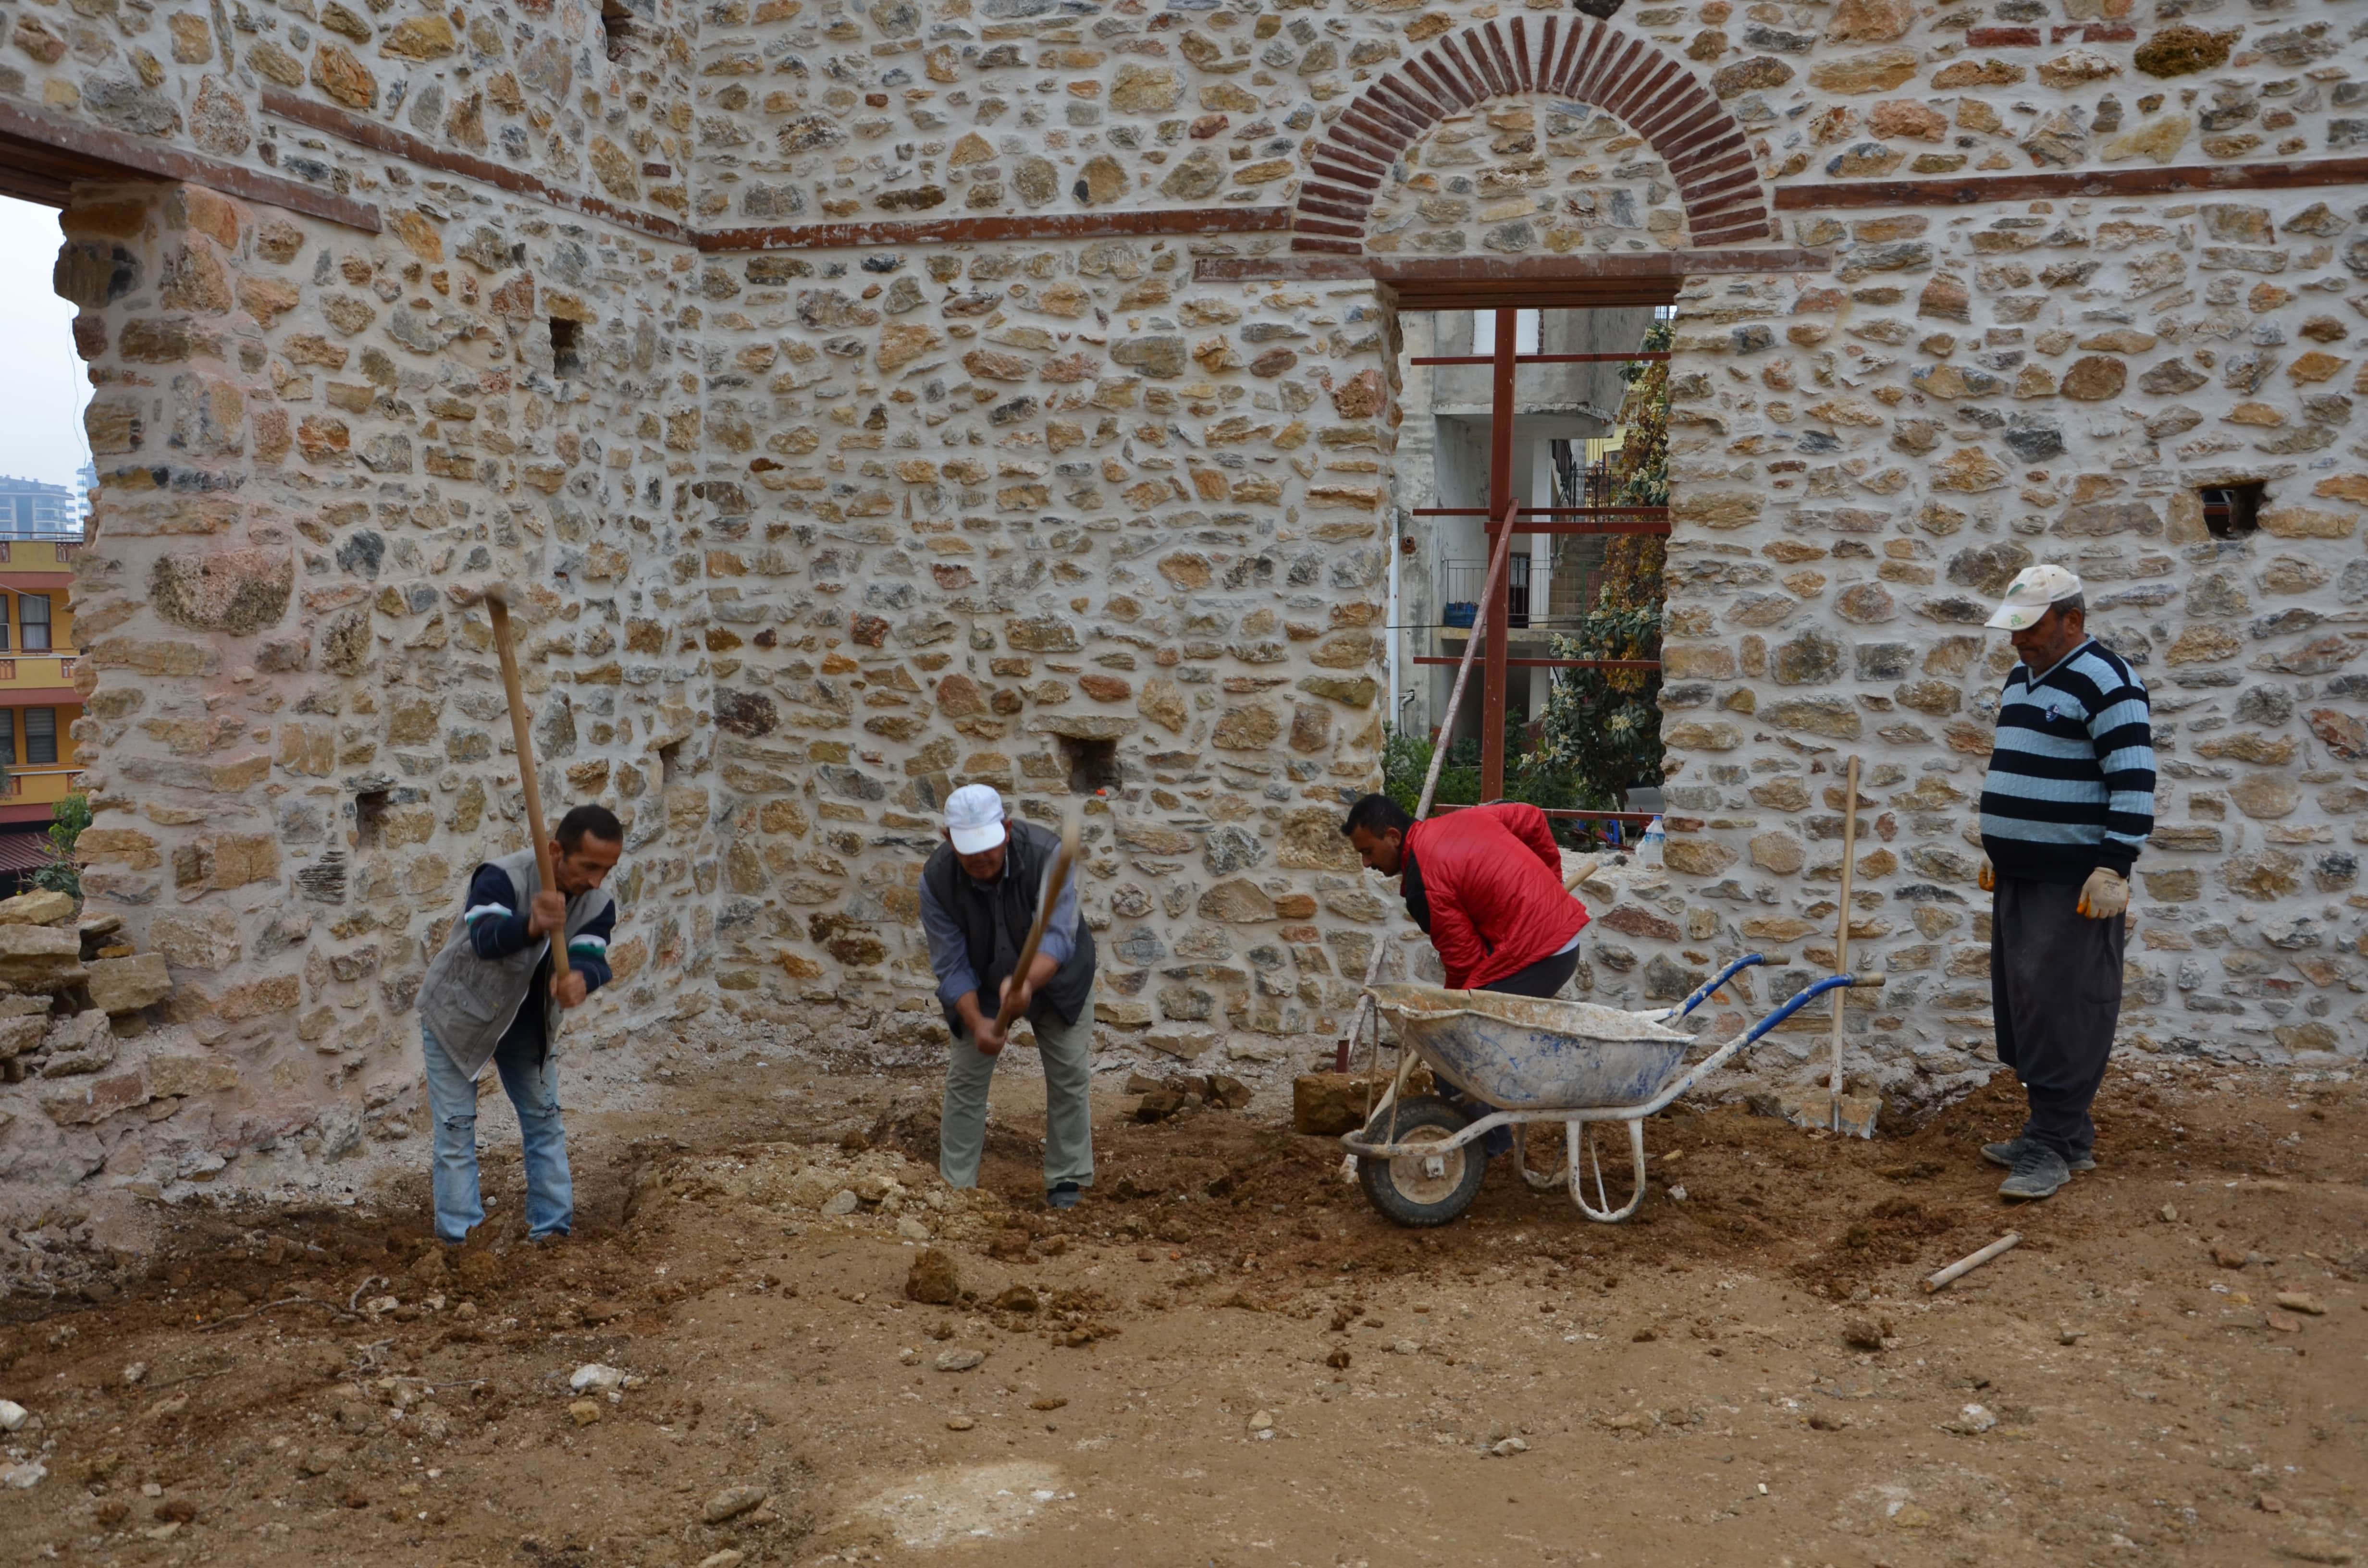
[1543,978]
[2055,989]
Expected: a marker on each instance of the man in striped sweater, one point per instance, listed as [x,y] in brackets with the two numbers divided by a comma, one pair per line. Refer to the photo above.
[2069,804]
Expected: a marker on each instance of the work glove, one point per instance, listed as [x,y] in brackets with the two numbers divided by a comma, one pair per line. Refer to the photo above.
[2104,895]
[1988,878]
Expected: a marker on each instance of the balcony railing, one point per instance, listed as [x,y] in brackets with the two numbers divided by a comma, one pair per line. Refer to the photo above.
[65,542]
[14,786]
[1461,583]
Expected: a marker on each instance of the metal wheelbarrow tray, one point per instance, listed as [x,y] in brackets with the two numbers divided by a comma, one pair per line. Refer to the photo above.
[1530,1061]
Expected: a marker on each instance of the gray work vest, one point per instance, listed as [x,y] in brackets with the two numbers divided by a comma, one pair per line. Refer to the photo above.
[995,922]
[468,1003]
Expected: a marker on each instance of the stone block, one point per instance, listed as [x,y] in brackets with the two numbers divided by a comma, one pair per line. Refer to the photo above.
[173,1077]
[1699,856]
[1779,852]
[1185,1045]
[1236,902]
[82,1104]
[118,986]
[1326,1104]
[21,1032]
[38,908]
[82,1043]
[40,958]
[238,591]
[1853,1114]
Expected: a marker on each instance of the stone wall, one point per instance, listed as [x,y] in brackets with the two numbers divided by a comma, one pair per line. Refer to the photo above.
[1064,523]
[314,447]
[1860,461]
[816,522]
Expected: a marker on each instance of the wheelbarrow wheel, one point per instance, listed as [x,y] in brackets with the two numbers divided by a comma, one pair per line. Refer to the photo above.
[1422,1189]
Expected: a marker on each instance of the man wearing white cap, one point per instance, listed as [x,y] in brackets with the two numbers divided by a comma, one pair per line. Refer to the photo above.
[2068,805]
[979,894]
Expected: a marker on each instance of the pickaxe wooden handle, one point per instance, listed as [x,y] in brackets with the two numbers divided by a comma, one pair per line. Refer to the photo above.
[1056,881]
[498,605]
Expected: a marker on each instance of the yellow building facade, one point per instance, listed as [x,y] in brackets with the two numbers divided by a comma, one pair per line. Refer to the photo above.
[37,701]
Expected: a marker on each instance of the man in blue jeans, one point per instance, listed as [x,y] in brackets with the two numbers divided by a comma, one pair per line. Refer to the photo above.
[492,998]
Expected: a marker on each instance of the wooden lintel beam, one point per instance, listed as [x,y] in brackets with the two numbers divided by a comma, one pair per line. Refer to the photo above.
[1653,277]
[949,229]
[69,148]
[394,143]
[1045,226]
[1972,189]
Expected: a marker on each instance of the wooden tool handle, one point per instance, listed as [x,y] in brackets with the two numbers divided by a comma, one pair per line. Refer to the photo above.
[1841,939]
[1056,881]
[498,605]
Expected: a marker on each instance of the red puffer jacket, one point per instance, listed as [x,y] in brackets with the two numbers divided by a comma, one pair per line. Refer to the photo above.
[1493,878]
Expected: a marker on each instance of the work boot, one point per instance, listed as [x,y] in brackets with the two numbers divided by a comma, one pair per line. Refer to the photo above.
[1064,1195]
[2038,1172]
[2005,1154]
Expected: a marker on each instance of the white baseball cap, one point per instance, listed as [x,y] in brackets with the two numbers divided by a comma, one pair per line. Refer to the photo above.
[975,819]
[2035,588]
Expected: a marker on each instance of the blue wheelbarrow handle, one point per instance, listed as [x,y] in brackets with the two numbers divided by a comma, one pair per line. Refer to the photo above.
[1719,1058]
[1800,1000]
[1729,973]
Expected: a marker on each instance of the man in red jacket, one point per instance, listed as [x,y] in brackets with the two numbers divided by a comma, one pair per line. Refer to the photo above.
[1485,883]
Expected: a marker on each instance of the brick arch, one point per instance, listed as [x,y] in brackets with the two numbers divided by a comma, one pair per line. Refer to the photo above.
[1585,62]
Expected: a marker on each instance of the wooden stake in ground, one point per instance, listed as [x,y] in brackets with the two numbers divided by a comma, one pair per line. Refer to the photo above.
[1055,881]
[1971,1261]
[498,605]
[1841,939]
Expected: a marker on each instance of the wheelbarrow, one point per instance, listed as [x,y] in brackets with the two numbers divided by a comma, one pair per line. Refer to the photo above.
[1531,1061]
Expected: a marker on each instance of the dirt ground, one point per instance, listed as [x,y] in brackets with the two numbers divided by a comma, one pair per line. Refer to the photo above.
[1223,1356]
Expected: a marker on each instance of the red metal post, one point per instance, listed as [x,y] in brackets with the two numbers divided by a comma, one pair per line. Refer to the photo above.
[1501,516]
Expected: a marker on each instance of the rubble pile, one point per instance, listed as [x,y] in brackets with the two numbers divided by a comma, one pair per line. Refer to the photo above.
[1182,1093]
[795,1183]
[71,992]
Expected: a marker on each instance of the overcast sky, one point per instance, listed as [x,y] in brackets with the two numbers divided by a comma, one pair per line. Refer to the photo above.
[42,386]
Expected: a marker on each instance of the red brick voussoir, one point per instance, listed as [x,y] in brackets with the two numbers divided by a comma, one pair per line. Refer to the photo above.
[1580,61]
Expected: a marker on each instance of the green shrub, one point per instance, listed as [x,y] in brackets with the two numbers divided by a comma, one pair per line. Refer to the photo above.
[64,874]
[1603,728]
[1531,775]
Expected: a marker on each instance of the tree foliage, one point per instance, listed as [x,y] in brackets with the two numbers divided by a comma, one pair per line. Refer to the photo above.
[67,819]
[1640,474]
[1603,728]
[1531,774]
[1640,471]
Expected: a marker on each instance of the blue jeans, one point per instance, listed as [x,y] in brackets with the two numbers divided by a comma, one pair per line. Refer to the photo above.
[533,1089]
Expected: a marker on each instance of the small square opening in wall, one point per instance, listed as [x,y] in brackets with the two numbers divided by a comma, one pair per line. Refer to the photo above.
[2232,511]
[1092,764]
[566,347]
[669,765]
[369,817]
[617,25]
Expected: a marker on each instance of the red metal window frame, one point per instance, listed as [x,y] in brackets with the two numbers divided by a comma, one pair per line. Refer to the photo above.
[1508,297]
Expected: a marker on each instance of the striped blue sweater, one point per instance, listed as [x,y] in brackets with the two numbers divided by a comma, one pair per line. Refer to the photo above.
[2071,782]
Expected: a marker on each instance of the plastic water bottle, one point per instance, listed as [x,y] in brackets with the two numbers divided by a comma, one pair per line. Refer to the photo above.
[1654,842]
